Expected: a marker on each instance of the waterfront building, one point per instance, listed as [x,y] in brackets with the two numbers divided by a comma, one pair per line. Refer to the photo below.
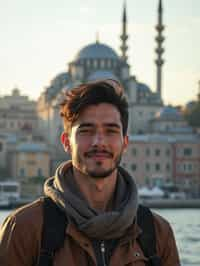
[170,153]
[17,113]
[25,158]
[30,164]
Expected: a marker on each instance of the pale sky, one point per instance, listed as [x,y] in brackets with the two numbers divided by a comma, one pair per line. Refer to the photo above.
[39,39]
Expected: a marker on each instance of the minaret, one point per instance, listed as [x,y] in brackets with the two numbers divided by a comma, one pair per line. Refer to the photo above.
[97,37]
[198,95]
[124,35]
[159,50]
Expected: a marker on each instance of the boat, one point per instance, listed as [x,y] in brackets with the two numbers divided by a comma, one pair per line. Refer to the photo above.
[9,194]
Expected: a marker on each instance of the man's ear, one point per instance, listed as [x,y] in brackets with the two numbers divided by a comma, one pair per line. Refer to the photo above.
[126,142]
[64,138]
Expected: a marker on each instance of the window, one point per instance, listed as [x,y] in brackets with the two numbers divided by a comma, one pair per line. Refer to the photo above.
[190,167]
[140,113]
[1,146]
[22,172]
[11,124]
[187,151]
[95,63]
[157,152]
[168,167]
[102,63]
[134,167]
[148,152]
[108,63]
[88,62]
[134,151]
[157,167]
[39,172]
[147,166]
[168,152]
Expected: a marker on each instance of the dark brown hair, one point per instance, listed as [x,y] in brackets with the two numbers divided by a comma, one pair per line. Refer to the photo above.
[104,91]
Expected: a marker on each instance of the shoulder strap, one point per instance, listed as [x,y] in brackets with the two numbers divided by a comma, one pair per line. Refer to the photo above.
[53,232]
[147,239]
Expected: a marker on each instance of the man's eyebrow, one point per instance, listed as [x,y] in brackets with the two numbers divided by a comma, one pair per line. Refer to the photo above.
[114,125]
[86,125]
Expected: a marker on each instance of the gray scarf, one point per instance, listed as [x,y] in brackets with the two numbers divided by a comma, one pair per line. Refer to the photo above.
[95,224]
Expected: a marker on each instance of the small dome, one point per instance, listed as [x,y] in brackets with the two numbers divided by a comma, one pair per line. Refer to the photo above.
[60,78]
[143,87]
[168,113]
[96,51]
[101,74]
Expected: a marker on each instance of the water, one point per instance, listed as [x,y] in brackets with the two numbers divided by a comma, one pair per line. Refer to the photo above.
[186,226]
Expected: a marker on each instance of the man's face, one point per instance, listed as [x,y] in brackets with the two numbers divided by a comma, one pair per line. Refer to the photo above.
[96,142]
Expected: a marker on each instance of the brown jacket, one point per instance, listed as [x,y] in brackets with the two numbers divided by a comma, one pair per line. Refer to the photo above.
[20,237]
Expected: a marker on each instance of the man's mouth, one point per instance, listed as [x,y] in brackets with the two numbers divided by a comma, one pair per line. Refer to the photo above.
[99,154]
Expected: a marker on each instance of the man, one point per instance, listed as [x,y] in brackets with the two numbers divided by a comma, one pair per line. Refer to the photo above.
[98,197]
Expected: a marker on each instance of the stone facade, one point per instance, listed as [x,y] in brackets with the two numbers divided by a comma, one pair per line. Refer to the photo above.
[17,113]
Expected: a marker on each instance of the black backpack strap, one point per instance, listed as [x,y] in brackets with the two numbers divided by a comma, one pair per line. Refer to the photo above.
[147,239]
[53,232]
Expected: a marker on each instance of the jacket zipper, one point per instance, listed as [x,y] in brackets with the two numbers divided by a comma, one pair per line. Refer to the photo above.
[103,253]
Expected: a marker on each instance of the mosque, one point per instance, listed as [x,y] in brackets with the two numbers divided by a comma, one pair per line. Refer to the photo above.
[98,61]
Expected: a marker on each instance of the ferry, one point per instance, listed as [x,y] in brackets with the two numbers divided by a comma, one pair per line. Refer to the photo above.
[9,193]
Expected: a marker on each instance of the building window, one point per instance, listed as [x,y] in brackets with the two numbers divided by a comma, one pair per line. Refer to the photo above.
[140,113]
[190,167]
[88,62]
[95,63]
[157,152]
[22,172]
[102,64]
[147,166]
[108,63]
[157,167]
[168,167]
[134,151]
[148,152]
[1,146]
[39,172]
[168,152]
[187,151]
[11,124]
[134,167]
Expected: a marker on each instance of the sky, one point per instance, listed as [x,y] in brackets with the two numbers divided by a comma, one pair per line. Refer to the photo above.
[39,39]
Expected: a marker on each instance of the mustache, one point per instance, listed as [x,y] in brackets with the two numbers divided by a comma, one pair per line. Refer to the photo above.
[93,152]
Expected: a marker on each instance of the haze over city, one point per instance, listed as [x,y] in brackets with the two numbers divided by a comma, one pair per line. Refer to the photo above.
[39,39]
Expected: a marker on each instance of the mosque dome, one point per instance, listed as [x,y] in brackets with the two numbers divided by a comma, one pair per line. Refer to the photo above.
[101,74]
[168,113]
[97,51]
[60,79]
[143,87]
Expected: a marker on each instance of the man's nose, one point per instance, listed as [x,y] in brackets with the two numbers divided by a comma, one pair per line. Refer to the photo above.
[98,139]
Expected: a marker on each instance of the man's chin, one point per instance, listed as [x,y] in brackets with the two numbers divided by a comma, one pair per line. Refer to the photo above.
[100,174]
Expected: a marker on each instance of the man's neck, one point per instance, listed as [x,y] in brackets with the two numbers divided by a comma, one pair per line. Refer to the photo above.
[97,191]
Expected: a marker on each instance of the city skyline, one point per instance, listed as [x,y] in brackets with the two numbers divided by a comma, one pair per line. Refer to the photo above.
[39,39]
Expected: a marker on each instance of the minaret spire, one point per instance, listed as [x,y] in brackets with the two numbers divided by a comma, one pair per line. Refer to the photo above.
[124,35]
[97,37]
[198,96]
[159,50]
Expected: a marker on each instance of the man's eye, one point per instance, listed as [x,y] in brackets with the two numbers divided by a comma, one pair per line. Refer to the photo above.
[112,131]
[82,131]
